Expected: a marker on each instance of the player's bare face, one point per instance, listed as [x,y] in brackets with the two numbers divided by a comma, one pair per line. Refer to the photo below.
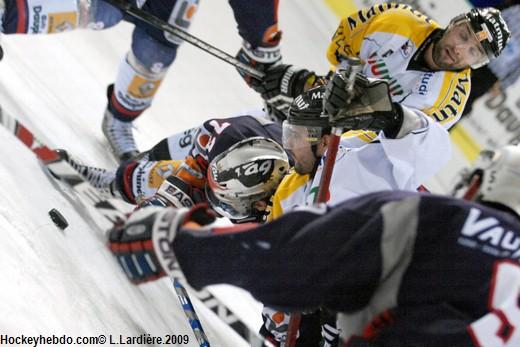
[304,159]
[458,48]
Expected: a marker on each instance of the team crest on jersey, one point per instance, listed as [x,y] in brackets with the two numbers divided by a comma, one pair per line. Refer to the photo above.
[406,49]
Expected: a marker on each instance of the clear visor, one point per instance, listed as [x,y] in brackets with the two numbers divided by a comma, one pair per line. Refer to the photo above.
[298,136]
[469,43]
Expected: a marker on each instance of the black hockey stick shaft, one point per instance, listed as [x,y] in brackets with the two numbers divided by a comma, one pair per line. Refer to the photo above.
[158,23]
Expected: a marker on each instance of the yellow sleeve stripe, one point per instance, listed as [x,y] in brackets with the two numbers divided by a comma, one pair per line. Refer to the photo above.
[363,135]
[454,93]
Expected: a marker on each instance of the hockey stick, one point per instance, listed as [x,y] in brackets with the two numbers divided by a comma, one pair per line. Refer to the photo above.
[190,313]
[184,35]
[353,66]
[62,171]
[59,170]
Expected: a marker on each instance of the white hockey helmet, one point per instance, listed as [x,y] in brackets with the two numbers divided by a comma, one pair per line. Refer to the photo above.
[249,171]
[495,177]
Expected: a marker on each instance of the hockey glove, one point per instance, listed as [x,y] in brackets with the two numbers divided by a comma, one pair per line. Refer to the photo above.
[143,246]
[282,83]
[370,108]
[336,97]
[261,57]
[175,192]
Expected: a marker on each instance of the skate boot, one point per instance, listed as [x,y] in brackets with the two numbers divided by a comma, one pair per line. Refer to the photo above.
[120,137]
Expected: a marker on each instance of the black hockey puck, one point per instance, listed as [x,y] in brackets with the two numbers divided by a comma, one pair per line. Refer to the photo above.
[58,219]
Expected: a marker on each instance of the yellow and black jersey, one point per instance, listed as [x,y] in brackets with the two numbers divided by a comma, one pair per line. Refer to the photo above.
[386,37]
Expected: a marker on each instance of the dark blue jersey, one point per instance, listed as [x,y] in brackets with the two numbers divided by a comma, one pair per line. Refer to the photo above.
[226,132]
[444,272]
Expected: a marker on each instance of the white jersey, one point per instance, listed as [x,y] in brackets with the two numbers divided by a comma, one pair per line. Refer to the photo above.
[389,38]
[361,168]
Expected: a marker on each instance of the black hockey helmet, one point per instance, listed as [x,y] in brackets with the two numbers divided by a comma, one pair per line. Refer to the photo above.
[307,109]
[306,122]
[489,27]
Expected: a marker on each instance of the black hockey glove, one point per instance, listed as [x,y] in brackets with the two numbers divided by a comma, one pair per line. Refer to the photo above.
[261,57]
[336,97]
[370,108]
[282,83]
[143,246]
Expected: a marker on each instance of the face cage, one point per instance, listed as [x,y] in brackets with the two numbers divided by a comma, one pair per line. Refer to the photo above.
[298,136]
[238,211]
[480,36]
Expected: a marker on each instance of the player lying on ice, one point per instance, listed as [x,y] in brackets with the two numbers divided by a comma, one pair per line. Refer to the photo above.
[409,150]
[404,268]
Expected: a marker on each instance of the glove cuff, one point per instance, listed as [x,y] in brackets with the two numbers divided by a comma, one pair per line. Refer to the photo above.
[263,54]
[294,81]
[175,191]
[163,234]
[394,122]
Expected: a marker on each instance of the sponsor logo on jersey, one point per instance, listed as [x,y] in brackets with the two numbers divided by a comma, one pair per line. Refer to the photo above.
[363,16]
[60,22]
[142,88]
[39,20]
[450,110]
[423,87]
[489,236]
[380,70]
[387,53]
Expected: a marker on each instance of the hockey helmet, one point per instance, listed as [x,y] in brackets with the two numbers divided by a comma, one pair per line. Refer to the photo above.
[249,171]
[495,177]
[306,119]
[490,30]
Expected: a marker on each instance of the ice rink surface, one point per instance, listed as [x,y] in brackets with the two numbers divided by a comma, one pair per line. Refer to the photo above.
[55,282]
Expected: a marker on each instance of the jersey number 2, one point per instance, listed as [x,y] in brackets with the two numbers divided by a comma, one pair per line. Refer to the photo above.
[501,326]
